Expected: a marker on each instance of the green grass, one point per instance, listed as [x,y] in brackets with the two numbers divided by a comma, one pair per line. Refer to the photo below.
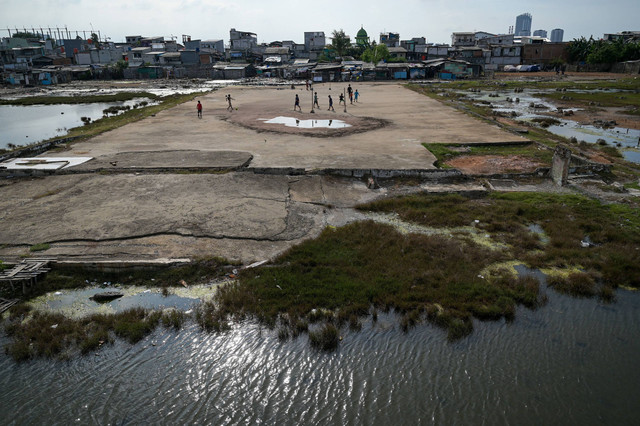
[336,278]
[199,271]
[604,99]
[567,220]
[36,334]
[499,84]
[39,247]
[56,100]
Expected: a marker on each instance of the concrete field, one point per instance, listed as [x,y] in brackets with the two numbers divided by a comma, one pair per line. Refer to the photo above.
[170,192]
[410,120]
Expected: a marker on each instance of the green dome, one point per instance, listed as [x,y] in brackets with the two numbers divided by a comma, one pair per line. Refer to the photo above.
[362,33]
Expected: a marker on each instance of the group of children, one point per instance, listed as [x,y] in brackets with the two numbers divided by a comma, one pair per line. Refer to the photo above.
[353,95]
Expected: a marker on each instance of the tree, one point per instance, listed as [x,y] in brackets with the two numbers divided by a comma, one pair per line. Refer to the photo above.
[340,42]
[25,35]
[376,53]
[95,40]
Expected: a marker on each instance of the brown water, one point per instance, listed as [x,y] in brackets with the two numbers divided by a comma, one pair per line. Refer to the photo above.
[573,361]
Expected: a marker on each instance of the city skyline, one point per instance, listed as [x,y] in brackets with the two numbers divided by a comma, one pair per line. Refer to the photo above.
[212,19]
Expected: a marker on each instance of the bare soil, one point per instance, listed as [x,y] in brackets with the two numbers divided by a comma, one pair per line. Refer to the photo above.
[493,164]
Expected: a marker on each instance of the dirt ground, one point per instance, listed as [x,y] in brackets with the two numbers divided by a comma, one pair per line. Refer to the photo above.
[493,164]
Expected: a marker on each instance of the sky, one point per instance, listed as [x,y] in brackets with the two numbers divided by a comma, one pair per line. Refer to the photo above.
[281,20]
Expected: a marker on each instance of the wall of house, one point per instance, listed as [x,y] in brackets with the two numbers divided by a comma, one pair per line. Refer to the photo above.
[543,53]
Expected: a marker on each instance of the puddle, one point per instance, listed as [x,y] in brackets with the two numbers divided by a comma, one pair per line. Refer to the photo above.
[78,303]
[307,124]
[623,138]
[524,271]
[537,229]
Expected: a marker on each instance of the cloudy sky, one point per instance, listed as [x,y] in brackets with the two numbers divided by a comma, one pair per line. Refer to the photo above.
[289,19]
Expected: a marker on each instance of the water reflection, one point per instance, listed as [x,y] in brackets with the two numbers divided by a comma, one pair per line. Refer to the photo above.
[307,124]
[504,102]
[572,356]
[23,125]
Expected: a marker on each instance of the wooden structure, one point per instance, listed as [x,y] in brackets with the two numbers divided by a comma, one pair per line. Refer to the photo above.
[26,272]
[6,304]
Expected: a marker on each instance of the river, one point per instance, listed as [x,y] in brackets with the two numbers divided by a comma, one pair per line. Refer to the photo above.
[573,361]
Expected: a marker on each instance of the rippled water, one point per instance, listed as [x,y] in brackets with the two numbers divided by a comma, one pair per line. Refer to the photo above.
[574,361]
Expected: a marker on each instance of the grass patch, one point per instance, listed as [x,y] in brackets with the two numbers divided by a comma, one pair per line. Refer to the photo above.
[614,230]
[336,278]
[39,247]
[630,185]
[326,338]
[600,98]
[36,334]
[198,272]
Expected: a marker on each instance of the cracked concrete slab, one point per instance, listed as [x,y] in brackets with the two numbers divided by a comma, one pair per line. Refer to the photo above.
[237,215]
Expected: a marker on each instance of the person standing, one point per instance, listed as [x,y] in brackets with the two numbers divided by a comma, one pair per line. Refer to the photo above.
[330,104]
[315,100]
[297,104]
[199,108]
[356,94]
[230,107]
[341,99]
[349,91]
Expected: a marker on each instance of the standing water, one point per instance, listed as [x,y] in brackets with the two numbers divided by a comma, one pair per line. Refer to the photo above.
[24,125]
[572,361]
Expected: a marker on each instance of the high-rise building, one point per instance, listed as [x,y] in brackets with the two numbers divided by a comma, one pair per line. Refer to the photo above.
[557,35]
[540,33]
[523,25]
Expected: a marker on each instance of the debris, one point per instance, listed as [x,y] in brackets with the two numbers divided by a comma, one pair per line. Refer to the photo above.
[54,326]
[106,296]
[256,264]
[183,283]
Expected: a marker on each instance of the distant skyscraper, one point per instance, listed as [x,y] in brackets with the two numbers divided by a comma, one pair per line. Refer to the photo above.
[540,33]
[523,25]
[557,35]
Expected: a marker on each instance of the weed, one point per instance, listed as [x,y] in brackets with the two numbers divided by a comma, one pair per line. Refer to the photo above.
[326,338]
[576,284]
[173,318]
[39,247]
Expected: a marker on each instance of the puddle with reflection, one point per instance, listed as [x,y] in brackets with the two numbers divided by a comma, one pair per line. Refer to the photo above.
[78,303]
[307,124]
[625,139]
[23,125]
